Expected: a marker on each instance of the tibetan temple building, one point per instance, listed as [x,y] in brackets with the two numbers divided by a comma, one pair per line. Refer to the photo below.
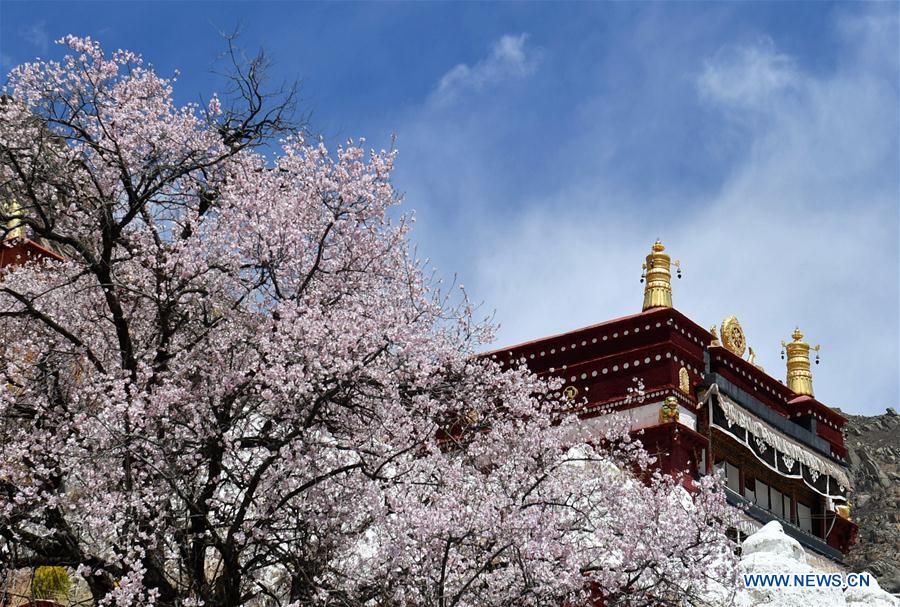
[707,407]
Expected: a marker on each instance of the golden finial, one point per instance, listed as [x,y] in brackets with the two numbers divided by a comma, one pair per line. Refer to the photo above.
[799,376]
[14,227]
[658,273]
[715,340]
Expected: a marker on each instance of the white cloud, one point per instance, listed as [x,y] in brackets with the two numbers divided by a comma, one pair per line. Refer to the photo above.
[508,59]
[748,76]
[37,36]
[802,230]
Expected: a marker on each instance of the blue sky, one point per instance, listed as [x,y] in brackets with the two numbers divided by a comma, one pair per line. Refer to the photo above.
[544,147]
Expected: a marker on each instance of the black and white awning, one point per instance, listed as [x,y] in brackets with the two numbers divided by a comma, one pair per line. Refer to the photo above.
[778,452]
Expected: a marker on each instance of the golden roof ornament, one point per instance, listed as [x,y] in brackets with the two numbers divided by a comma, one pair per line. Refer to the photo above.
[843,511]
[751,358]
[684,381]
[733,336]
[668,412]
[799,376]
[715,343]
[657,271]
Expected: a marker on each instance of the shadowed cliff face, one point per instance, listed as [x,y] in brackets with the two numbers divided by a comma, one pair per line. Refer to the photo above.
[874,444]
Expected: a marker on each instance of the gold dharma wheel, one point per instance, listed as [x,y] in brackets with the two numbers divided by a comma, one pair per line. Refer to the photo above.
[733,336]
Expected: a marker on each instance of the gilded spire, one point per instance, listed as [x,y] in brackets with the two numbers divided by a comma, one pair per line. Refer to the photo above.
[799,376]
[658,273]
[14,227]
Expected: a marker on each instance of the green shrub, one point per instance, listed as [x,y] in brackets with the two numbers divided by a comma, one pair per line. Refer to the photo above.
[50,584]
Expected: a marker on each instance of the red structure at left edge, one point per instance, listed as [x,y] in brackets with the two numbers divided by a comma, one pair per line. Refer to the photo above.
[20,250]
[15,246]
[708,406]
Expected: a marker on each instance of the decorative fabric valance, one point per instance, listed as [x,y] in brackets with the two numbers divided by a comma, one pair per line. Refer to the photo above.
[778,452]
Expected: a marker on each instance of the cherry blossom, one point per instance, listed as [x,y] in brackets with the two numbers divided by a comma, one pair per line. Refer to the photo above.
[240,387]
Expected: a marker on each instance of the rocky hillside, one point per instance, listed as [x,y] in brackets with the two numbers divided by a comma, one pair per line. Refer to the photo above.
[874,444]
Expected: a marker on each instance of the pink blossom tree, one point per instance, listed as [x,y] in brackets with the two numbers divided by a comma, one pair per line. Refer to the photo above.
[239,387]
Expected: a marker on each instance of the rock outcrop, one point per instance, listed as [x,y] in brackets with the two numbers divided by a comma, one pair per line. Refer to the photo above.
[874,444]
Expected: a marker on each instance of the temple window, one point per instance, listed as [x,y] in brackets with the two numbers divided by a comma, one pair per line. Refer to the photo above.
[762,495]
[750,489]
[777,500]
[733,477]
[771,499]
[804,514]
